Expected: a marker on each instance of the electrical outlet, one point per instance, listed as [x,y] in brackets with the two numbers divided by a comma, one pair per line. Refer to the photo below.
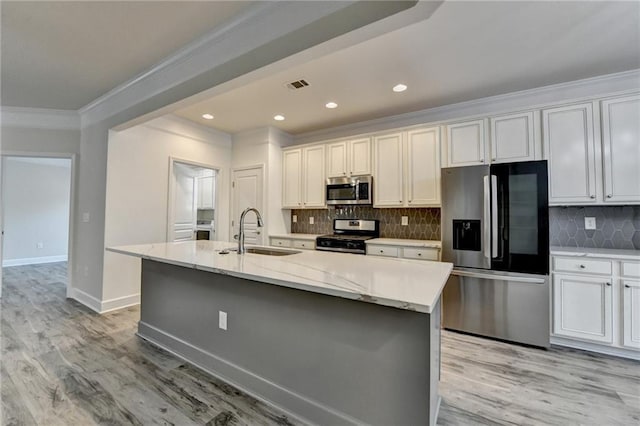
[294,218]
[40,245]
[404,220]
[589,223]
[222,320]
[311,221]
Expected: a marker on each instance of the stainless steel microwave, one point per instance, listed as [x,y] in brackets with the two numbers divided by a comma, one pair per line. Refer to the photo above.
[350,190]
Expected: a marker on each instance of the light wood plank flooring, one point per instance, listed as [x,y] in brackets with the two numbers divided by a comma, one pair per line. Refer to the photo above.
[64,365]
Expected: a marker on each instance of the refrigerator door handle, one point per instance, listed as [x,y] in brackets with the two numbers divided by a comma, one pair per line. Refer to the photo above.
[486,218]
[494,216]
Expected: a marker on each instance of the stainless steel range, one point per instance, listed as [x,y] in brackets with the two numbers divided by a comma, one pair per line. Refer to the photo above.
[349,236]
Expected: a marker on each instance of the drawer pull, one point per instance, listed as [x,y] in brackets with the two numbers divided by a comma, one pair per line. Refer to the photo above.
[419,254]
[608,284]
[592,197]
[627,286]
[582,266]
[609,196]
[381,251]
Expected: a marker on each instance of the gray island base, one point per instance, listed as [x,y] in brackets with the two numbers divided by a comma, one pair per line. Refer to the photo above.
[323,359]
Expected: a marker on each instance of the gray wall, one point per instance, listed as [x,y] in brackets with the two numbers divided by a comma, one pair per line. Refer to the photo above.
[617,227]
[36,140]
[36,195]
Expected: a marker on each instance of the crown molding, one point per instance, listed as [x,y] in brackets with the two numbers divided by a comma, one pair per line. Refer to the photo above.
[568,92]
[39,118]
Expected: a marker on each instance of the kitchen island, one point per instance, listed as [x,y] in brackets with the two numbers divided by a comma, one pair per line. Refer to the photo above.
[329,338]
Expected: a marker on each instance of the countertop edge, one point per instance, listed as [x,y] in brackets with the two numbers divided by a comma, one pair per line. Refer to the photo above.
[352,295]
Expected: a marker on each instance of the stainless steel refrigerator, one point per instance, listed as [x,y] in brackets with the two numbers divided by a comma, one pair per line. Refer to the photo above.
[495,230]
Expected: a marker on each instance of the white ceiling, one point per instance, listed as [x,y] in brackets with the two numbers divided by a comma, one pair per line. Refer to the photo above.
[466,50]
[63,55]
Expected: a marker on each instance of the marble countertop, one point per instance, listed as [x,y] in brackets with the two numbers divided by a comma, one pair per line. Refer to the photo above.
[596,252]
[400,283]
[405,243]
[296,236]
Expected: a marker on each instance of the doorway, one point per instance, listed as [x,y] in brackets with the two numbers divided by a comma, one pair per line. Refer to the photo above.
[36,213]
[246,191]
[192,201]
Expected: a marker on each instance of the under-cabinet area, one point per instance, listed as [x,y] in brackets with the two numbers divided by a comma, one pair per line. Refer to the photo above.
[596,300]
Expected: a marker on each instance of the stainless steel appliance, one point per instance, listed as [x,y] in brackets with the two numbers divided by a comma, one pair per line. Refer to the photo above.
[495,230]
[350,190]
[349,236]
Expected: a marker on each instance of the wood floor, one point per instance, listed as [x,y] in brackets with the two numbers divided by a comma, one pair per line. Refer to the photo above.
[64,365]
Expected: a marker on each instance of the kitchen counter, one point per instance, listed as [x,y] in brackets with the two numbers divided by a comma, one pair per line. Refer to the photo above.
[595,252]
[405,243]
[329,338]
[399,283]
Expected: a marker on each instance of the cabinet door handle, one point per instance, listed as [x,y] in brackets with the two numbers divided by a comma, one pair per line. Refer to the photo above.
[592,197]
[419,254]
[582,266]
[381,251]
[627,286]
[608,284]
[609,196]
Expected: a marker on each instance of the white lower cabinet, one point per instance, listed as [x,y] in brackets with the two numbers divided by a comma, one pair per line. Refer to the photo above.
[631,313]
[395,248]
[582,307]
[304,243]
[596,304]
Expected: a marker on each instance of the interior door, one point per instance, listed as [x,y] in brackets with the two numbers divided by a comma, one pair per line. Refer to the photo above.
[184,203]
[247,191]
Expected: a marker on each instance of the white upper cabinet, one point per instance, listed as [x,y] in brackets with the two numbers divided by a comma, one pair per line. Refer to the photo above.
[388,171]
[423,167]
[360,157]
[466,143]
[621,149]
[569,141]
[349,158]
[303,181]
[206,189]
[292,178]
[313,177]
[513,138]
[407,169]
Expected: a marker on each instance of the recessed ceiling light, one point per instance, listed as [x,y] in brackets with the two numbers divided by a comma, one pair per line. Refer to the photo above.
[331,105]
[278,117]
[399,88]
[207,116]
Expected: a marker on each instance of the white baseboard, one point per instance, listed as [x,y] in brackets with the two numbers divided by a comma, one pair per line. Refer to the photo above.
[119,303]
[104,306]
[34,260]
[86,299]
[594,347]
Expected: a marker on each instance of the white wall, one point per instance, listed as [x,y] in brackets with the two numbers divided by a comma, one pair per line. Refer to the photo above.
[36,194]
[263,146]
[137,193]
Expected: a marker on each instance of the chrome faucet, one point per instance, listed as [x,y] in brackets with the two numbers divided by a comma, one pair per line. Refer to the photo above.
[241,233]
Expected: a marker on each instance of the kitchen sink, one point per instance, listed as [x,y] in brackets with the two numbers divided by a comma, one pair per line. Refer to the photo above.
[270,251]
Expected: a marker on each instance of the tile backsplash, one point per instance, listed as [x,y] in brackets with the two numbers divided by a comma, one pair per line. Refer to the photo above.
[424,224]
[616,227]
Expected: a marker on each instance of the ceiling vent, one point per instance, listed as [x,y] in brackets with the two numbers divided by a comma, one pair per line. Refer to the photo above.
[298,84]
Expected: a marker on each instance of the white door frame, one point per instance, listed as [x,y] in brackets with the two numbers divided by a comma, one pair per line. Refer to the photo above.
[72,204]
[171,187]
[261,168]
